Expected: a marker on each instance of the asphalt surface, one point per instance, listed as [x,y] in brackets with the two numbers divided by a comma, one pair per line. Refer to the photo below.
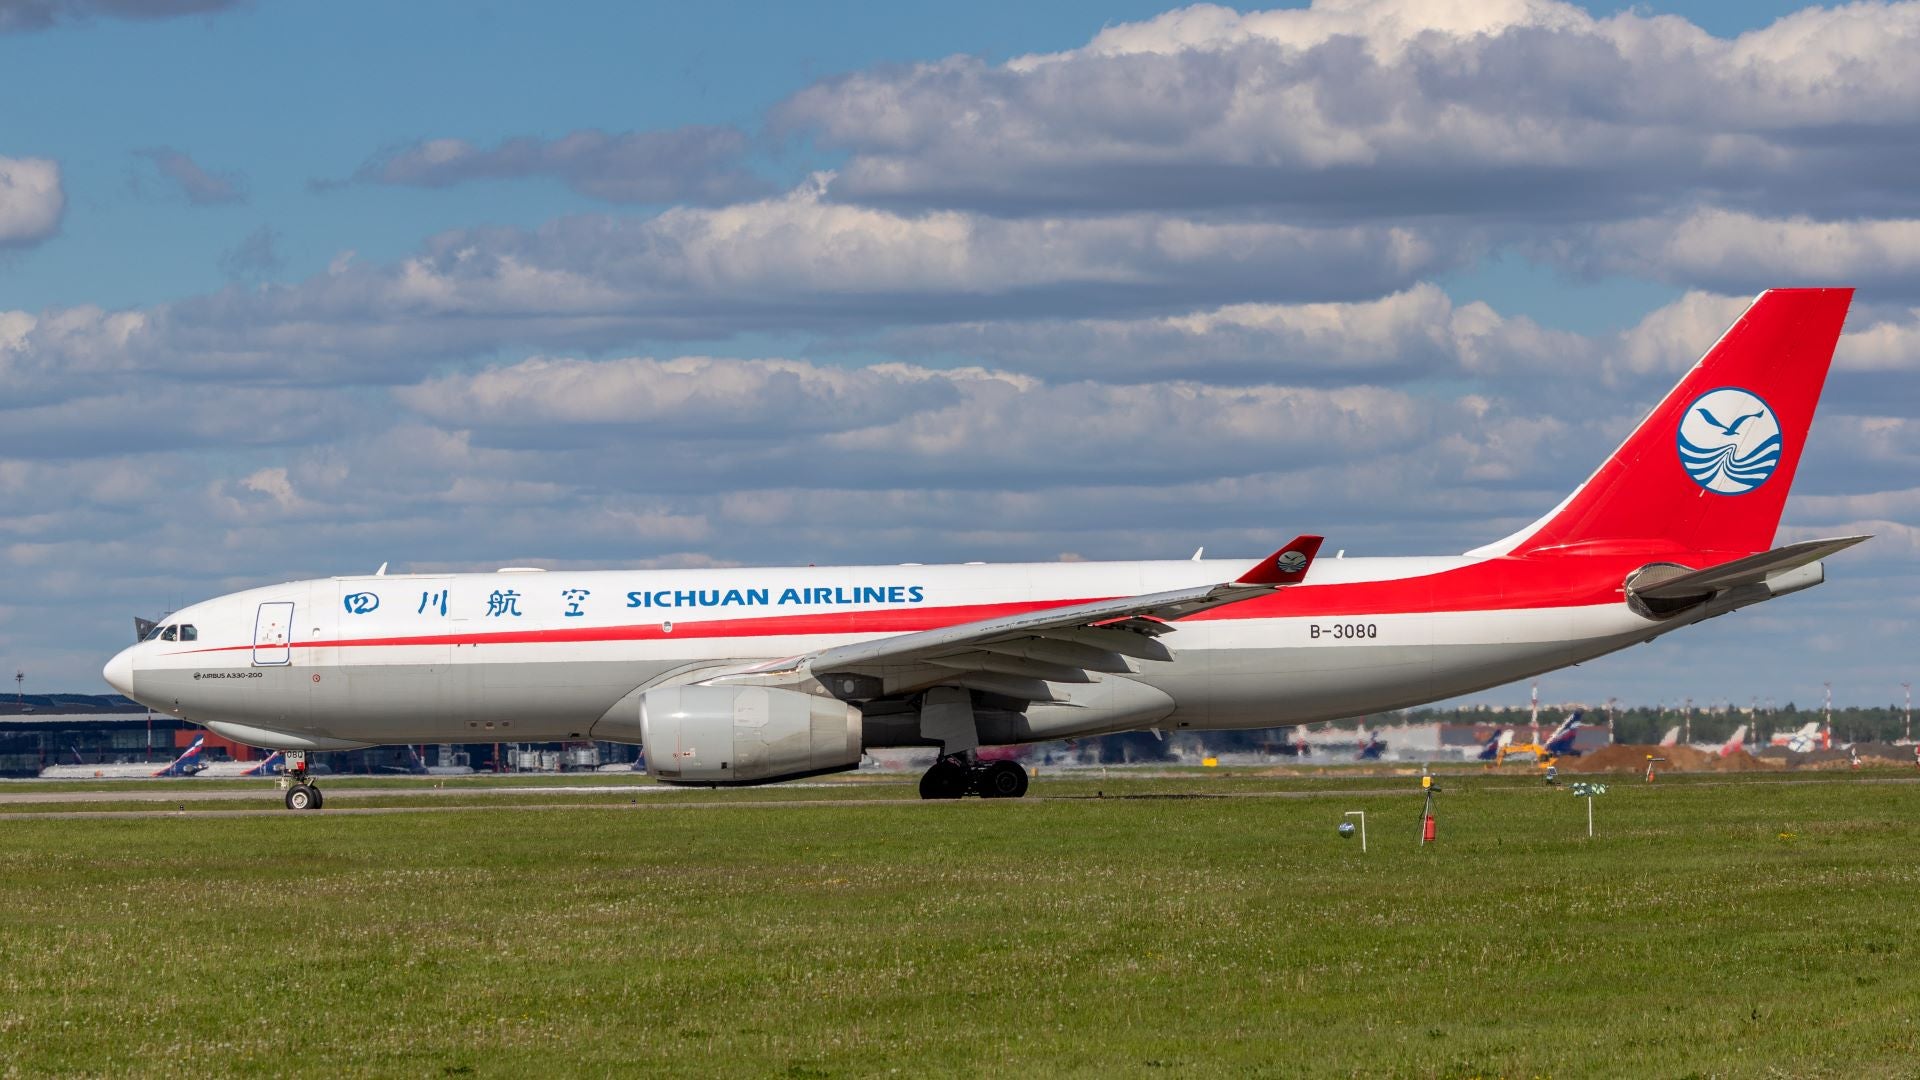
[656,798]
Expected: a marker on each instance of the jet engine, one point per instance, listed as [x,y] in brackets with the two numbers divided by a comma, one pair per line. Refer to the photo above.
[745,734]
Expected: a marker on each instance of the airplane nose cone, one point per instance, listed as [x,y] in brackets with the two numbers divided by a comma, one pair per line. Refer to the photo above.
[119,672]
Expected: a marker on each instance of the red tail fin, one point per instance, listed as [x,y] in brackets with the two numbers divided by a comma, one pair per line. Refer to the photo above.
[1709,468]
[1288,566]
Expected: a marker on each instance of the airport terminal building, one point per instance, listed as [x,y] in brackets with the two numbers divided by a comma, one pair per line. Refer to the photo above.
[38,730]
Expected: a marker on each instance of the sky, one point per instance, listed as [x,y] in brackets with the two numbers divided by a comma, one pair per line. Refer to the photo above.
[291,290]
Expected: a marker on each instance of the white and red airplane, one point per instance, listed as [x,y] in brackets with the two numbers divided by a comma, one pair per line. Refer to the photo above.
[1736,743]
[1805,740]
[187,764]
[745,676]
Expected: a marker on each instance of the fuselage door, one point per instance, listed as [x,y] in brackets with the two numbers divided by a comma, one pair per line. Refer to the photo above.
[272,629]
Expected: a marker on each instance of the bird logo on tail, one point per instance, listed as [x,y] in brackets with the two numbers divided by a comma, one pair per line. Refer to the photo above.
[1729,457]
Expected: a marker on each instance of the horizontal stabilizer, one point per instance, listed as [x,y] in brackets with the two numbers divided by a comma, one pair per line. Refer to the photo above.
[1748,571]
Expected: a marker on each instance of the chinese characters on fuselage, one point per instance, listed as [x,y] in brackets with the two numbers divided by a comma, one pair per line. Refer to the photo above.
[506,603]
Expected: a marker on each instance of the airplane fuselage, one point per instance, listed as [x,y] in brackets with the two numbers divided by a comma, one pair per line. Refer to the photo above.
[529,656]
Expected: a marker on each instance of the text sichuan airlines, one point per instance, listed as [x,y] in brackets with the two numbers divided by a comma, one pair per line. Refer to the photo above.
[804,596]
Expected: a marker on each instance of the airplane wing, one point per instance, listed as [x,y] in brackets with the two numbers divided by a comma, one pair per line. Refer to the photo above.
[1019,654]
[1748,571]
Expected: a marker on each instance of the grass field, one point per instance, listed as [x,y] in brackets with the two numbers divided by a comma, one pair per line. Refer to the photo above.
[1747,926]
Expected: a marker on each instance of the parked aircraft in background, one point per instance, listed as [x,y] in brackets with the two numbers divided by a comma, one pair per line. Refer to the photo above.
[1809,738]
[1372,746]
[1560,743]
[1672,737]
[1500,741]
[187,764]
[746,676]
[272,765]
[1732,746]
[1296,746]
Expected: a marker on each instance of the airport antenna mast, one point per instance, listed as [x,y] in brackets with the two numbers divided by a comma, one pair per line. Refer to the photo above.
[1908,687]
[1534,711]
[1826,711]
[19,687]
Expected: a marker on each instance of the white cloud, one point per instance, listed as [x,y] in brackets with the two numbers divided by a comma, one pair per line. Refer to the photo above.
[689,396]
[125,414]
[274,485]
[1668,340]
[1411,334]
[1418,333]
[1883,346]
[794,262]
[801,244]
[58,353]
[31,200]
[707,424]
[1508,110]
[1738,251]
[1387,27]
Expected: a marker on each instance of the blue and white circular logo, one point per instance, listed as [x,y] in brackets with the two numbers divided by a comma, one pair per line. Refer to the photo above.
[1290,562]
[1729,441]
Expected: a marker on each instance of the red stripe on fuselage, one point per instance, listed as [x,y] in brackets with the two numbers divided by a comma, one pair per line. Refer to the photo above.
[1498,584]
[875,621]
[1491,585]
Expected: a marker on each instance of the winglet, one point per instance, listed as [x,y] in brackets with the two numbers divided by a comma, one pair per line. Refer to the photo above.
[1288,566]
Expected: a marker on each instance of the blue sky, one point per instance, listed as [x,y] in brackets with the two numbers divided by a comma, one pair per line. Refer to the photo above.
[291,93]
[289,290]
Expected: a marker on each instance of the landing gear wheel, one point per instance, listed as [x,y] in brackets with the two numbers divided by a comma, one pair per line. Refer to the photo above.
[1003,780]
[303,797]
[947,779]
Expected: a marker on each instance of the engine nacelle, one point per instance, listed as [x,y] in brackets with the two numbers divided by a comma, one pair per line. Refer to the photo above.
[745,734]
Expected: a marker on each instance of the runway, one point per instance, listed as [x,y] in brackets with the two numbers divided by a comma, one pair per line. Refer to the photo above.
[639,797]
[268,791]
[662,797]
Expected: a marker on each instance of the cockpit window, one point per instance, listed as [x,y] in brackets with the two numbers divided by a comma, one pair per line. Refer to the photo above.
[154,634]
[188,633]
[169,633]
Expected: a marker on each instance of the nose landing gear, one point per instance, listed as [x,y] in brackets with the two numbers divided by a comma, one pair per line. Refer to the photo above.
[302,792]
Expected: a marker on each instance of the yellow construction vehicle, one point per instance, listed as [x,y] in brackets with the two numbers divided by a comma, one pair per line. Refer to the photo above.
[1542,757]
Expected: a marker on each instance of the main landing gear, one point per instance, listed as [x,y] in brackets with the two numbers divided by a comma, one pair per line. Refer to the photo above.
[302,792]
[960,775]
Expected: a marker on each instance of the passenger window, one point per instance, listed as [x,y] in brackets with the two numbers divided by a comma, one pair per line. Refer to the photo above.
[188,633]
[168,633]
